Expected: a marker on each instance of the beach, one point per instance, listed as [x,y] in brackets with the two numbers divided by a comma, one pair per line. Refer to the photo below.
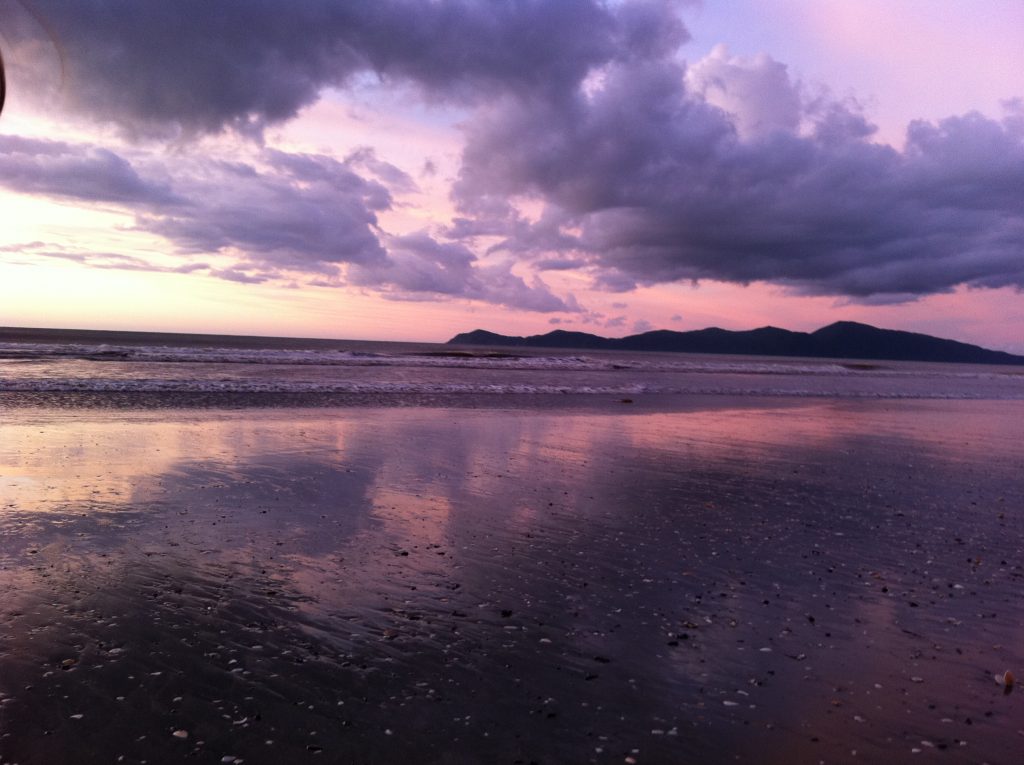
[675,579]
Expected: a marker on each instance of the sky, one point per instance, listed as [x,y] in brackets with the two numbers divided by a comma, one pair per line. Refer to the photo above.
[411,169]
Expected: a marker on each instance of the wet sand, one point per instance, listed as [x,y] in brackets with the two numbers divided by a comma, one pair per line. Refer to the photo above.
[772,582]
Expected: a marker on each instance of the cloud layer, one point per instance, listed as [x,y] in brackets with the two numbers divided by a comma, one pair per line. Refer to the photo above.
[196,66]
[646,169]
[281,217]
[661,183]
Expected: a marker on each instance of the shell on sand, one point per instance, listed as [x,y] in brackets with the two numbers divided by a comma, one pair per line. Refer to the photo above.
[1006,679]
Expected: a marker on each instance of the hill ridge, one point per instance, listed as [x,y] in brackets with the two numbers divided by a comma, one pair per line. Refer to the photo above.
[840,339]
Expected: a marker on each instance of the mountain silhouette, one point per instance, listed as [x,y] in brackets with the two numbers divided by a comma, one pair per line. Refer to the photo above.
[843,339]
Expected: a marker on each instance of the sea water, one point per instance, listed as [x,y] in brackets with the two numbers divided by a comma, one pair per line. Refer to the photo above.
[339,372]
[816,558]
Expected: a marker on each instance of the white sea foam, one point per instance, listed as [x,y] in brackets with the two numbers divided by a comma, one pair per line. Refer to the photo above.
[455,359]
[378,388]
[101,385]
[387,369]
[284,356]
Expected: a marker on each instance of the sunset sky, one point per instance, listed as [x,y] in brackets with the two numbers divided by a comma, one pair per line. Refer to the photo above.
[407,170]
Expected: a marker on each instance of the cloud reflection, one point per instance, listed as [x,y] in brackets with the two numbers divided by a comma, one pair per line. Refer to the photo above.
[540,579]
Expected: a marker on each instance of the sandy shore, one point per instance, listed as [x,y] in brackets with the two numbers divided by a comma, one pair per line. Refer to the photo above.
[771,582]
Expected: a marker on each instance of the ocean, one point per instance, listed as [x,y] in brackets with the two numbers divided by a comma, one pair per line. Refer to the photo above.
[226,550]
[193,369]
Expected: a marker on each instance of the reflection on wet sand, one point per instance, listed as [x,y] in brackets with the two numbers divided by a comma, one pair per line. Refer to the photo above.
[784,583]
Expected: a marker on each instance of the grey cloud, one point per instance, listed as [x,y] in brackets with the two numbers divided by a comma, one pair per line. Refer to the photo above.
[396,179]
[332,174]
[500,285]
[193,66]
[613,280]
[240,276]
[76,171]
[302,212]
[756,91]
[492,215]
[298,211]
[108,260]
[648,172]
[661,186]
[284,213]
[23,246]
[101,260]
[558,264]
[418,263]
[648,29]
[420,267]
[838,122]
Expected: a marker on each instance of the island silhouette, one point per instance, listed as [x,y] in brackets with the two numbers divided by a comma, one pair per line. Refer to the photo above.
[843,339]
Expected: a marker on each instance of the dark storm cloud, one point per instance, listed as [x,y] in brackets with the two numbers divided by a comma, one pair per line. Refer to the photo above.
[199,66]
[659,185]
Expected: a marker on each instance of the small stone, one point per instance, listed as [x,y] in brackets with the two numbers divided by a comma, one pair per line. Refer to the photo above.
[180,734]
